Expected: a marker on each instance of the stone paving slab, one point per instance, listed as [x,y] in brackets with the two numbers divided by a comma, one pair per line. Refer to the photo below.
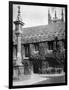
[52,75]
[36,78]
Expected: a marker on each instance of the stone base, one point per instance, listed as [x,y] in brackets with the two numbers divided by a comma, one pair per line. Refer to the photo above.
[27,67]
[17,72]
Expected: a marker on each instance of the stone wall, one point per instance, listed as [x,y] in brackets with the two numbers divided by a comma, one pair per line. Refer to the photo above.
[61,45]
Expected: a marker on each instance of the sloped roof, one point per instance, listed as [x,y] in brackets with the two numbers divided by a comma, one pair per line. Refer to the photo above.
[42,33]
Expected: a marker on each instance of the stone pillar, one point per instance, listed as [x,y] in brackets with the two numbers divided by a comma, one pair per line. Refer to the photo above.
[18,31]
[19,58]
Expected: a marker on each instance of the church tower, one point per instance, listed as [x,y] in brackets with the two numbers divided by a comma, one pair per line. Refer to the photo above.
[49,17]
[55,17]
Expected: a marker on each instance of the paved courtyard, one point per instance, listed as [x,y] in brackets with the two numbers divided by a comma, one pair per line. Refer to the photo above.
[40,79]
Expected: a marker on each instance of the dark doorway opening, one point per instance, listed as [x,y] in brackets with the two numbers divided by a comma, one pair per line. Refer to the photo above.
[36,66]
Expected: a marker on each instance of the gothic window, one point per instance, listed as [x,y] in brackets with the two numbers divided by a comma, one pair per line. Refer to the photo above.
[26,50]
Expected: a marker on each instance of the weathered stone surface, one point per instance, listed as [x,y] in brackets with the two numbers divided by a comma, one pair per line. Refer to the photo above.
[23,52]
[27,67]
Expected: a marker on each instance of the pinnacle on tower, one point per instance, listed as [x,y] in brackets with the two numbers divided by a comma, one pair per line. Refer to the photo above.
[55,14]
[49,17]
[55,17]
[62,16]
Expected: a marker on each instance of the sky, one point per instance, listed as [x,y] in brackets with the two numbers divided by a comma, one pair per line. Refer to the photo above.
[35,15]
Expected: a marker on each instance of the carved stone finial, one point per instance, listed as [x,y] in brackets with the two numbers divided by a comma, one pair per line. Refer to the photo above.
[18,16]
